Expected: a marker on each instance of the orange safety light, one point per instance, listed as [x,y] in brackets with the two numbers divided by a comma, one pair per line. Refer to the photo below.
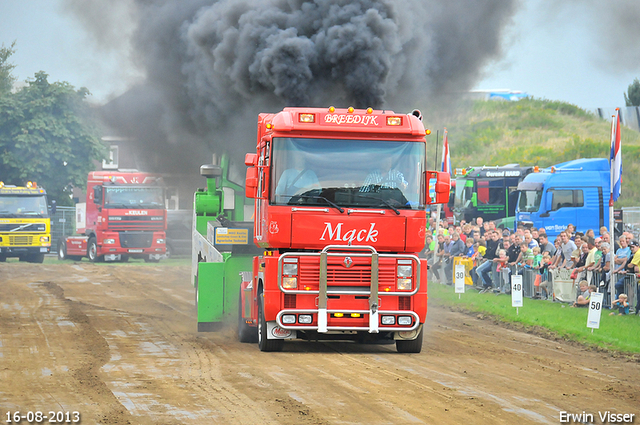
[332,109]
[427,132]
[553,169]
[269,126]
[350,110]
[536,169]
[1,184]
[369,110]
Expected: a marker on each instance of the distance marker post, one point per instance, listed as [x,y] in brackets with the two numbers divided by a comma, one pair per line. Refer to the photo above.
[595,310]
[459,279]
[516,292]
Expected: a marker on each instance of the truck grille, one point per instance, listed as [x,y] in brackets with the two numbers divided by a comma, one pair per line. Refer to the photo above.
[136,239]
[359,274]
[136,223]
[20,240]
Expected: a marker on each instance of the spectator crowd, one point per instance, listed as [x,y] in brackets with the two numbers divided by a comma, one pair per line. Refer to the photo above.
[495,253]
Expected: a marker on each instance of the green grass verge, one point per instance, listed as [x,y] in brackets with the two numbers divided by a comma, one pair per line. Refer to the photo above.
[617,333]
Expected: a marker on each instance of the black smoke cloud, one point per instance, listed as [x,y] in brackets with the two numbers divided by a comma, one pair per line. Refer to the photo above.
[212,66]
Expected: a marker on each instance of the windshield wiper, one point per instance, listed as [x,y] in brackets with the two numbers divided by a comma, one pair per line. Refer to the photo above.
[395,210]
[333,204]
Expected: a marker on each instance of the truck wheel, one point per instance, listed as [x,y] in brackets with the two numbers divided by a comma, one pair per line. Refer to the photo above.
[167,254]
[3,259]
[92,250]
[263,343]
[62,251]
[36,258]
[411,346]
[246,333]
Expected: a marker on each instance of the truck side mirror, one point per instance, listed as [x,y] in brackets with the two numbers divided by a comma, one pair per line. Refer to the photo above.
[548,204]
[251,180]
[438,187]
[53,206]
[97,195]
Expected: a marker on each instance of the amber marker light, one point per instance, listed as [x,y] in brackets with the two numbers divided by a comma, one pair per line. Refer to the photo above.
[369,110]
[332,109]
[536,169]
[350,110]
[427,132]
[269,126]
[355,314]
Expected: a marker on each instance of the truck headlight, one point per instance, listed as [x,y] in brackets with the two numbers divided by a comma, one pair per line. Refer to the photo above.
[404,320]
[288,319]
[404,271]
[304,319]
[110,241]
[404,284]
[289,282]
[160,241]
[42,239]
[290,269]
[388,320]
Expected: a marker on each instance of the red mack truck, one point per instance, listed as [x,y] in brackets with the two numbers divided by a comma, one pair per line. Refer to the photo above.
[124,217]
[340,199]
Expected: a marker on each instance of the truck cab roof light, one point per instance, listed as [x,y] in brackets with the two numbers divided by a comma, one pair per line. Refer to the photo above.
[394,120]
[307,118]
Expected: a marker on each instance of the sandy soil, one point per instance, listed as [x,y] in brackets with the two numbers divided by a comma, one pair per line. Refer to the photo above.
[117,343]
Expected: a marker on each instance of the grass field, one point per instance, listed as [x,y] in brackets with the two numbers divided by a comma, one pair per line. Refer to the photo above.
[617,333]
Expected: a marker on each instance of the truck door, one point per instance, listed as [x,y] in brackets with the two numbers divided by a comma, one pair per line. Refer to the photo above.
[593,213]
[562,207]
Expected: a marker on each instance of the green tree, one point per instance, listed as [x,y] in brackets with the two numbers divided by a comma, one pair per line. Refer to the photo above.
[632,97]
[48,134]
[6,79]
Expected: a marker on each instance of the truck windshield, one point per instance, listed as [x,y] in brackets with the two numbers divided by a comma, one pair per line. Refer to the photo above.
[133,197]
[464,192]
[23,206]
[348,173]
[529,200]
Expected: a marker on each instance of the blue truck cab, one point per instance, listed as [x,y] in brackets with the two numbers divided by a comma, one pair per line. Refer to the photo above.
[575,192]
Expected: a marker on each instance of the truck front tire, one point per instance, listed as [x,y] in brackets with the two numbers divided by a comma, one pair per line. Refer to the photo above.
[92,250]
[246,333]
[410,346]
[62,250]
[264,343]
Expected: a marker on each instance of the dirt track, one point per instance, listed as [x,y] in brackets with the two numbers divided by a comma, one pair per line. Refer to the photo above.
[117,344]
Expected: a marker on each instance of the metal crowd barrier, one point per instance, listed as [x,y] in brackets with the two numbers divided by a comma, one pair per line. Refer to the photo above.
[558,282]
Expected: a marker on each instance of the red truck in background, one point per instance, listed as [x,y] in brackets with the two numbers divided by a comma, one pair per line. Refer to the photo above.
[124,217]
[340,199]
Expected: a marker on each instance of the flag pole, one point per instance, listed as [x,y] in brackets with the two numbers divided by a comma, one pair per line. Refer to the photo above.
[614,136]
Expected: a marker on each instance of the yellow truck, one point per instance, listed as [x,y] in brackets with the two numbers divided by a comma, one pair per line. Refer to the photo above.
[25,224]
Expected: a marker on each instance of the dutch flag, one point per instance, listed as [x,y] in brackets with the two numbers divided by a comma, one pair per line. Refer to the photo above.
[446,159]
[616,157]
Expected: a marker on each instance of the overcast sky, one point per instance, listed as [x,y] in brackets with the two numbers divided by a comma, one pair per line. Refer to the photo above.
[561,52]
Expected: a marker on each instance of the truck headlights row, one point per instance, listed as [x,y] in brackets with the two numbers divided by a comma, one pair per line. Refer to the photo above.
[307,319]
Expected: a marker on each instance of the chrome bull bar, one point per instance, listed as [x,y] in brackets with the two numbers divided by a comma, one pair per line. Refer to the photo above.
[323,290]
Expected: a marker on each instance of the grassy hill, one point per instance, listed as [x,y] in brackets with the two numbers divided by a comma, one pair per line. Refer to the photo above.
[534,132]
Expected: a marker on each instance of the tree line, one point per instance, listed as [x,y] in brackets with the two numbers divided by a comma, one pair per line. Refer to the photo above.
[48,133]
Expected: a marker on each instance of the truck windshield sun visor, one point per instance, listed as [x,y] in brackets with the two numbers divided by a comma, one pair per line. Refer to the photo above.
[530,186]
